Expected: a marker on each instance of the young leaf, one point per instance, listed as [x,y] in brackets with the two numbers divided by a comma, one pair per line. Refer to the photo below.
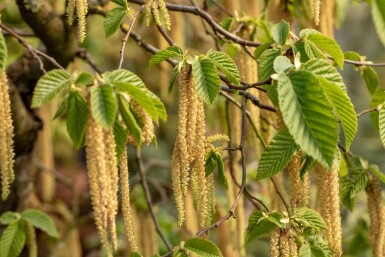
[324,69]
[277,154]
[221,170]
[313,51]
[305,251]
[12,240]
[329,46]
[84,79]
[113,20]
[130,121]
[309,218]
[259,225]
[135,254]
[174,76]
[226,65]
[309,161]
[350,185]
[121,136]
[299,48]
[344,109]
[381,123]
[260,49]
[206,79]
[122,3]
[103,105]
[3,53]
[169,52]
[77,118]
[41,221]
[306,32]
[61,108]
[49,85]
[308,115]
[378,14]
[376,171]
[266,64]
[8,217]
[202,247]
[354,56]
[378,98]
[371,79]
[282,63]
[280,32]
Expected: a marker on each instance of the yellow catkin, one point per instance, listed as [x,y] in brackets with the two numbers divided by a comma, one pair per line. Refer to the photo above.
[126,206]
[176,184]
[299,190]
[192,100]
[210,187]
[112,193]
[31,240]
[81,9]
[147,125]
[70,11]
[274,243]
[147,12]
[164,13]
[316,6]
[292,244]
[6,138]
[98,179]
[377,217]
[329,203]
[284,244]
[326,17]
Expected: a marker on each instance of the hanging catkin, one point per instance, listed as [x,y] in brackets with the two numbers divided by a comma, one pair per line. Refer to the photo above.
[6,138]
[147,125]
[329,203]
[377,217]
[326,16]
[81,8]
[158,10]
[126,206]
[274,243]
[315,7]
[299,190]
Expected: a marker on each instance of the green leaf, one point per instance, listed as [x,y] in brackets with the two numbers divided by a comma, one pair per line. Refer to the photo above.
[378,98]
[49,85]
[121,137]
[169,52]
[206,79]
[371,79]
[130,121]
[376,171]
[324,69]
[271,91]
[61,108]
[305,251]
[103,105]
[381,123]
[3,53]
[354,56]
[174,76]
[277,154]
[8,217]
[77,116]
[282,63]
[280,32]
[308,115]
[260,49]
[313,51]
[12,240]
[299,48]
[225,64]
[202,247]
[113,20]
[259,225]
[135,254]
[41,221]
[266,64]
[84,79]
[378,15]
[309,161]
[122,3]
[309,218]
[121,76]
[210,163]
[306,32]
[329,46]
[344,109]
[221,170]
[350,185]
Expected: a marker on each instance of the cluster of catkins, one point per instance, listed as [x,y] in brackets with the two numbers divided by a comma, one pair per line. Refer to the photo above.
[103,175]
[189,150]
[158,10]
[282,243]
[81,9]
[6,138]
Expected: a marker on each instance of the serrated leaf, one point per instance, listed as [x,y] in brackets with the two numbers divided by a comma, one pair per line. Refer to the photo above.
[84,79]
[371,79]
[266,64]
[113,20]
[169,52]
[221,170]
[277,154]
[343,108]
[378,15]
[8,217]
[206,79]
[329,46]
[258,226]
[122,3]
[120,76]
[130,121]
[174,76]
[40,220]
[378,98]
[282,63]
[61,108]
[103,105]
[121,137]
[308,115]
[271,91]
[202,247]
[48,86]
[308,163]
[225,64]
[306,32]
[280,32]
[354,56]
[324,69]
[350,185]
[3,53]
[299,48]
[210,163]
[260,49]
[12,240]
[381,123]
[276,217]
[313,51]
[77,116]
[312,218]
[305,251]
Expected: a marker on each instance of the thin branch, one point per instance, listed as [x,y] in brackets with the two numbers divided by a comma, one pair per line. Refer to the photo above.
[166,36]
[280,194]
[85,55]
[366,63]
[35,52]
[374,109]
[143,178]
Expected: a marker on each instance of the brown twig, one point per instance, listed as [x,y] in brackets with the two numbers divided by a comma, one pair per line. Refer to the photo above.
[85,55]
[374,109]
[280,194]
